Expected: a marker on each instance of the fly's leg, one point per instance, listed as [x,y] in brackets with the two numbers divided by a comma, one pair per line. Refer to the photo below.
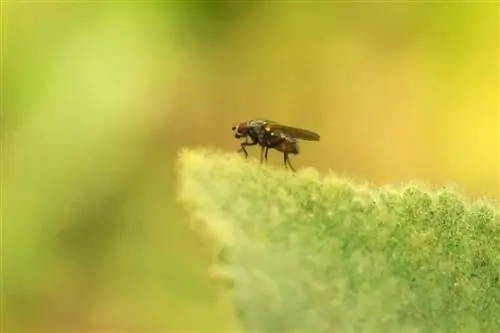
[245,144]
[265,155]
[287,162]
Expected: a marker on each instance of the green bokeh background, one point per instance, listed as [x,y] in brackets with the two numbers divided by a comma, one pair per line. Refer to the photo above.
[97,98]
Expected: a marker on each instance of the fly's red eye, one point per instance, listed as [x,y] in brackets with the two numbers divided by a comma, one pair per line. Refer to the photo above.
[241,128]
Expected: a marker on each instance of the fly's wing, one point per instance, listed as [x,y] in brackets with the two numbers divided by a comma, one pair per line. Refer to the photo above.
[295,132]
[278,135]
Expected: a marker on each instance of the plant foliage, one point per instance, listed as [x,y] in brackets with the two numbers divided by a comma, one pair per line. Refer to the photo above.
[308,253]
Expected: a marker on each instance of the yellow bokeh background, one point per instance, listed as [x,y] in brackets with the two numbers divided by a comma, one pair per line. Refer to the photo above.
[97,98]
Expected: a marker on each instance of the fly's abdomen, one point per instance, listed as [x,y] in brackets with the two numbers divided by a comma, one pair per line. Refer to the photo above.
[288,146]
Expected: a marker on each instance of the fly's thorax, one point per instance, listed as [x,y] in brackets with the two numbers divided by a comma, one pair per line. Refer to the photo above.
[258,135]
[256,123]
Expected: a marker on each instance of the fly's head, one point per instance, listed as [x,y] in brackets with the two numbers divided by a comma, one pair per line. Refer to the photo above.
[240,130]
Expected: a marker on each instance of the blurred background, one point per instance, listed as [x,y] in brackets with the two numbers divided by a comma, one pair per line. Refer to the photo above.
[97,98]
